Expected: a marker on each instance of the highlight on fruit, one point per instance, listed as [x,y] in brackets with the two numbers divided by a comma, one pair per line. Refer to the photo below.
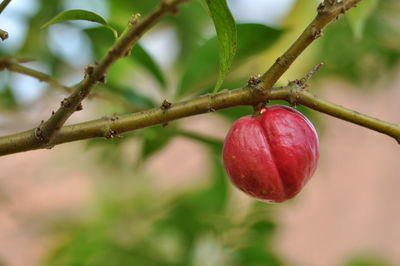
[271,157]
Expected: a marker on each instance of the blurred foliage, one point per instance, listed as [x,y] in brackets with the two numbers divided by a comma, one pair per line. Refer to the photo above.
[366,58]
[138,227]
[367,260]
[134,223]
[252,39]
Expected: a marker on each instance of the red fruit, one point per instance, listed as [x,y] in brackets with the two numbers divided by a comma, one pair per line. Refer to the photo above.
[271,157]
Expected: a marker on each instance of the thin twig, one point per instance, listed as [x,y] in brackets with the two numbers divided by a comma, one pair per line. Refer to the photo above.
[14,67]
[328,11]
[109,127]
[8,63]
[3,5]
[47,131]
[311,73]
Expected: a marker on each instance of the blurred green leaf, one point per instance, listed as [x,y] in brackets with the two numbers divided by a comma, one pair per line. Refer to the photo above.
[225,27]
[199,212]
[141,55]
[109,152]
[365,60]
[201,67]
[7,99]
[154,139]
[234,114]
[358,16]
[215,144]
[101,39]
[190,32]
[263,228]
[79,14]
[367,260]
[256,254]
[136,99]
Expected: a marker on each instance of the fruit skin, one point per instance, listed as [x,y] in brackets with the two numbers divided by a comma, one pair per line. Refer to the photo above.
[271,157]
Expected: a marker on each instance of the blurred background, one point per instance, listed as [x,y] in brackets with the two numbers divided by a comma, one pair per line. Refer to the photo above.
[159,196]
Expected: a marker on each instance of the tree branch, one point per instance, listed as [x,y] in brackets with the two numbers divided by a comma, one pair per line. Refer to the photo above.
[3,33]
[109,127]
[257,91]
[8,63]
[328,11]
[47,131]
[3,5]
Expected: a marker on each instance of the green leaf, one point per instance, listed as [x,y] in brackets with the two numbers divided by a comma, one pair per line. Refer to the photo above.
[215,144]
[7,99]
[358,17]
[141,55]
[79,14]
[134,98]
[200,69]
[190,31]
[225,27]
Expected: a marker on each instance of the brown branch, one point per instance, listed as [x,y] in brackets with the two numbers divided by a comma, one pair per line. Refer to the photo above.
[47,131]
[3,5]
[328,11]
[3,35]
[109,127]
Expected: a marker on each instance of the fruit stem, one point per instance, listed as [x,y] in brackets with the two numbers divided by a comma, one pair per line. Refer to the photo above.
[257,109]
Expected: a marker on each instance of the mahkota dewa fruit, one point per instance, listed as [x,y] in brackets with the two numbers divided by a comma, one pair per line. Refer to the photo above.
[271,157]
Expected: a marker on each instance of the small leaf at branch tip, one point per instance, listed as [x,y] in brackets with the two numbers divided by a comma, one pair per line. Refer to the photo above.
[79,14]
